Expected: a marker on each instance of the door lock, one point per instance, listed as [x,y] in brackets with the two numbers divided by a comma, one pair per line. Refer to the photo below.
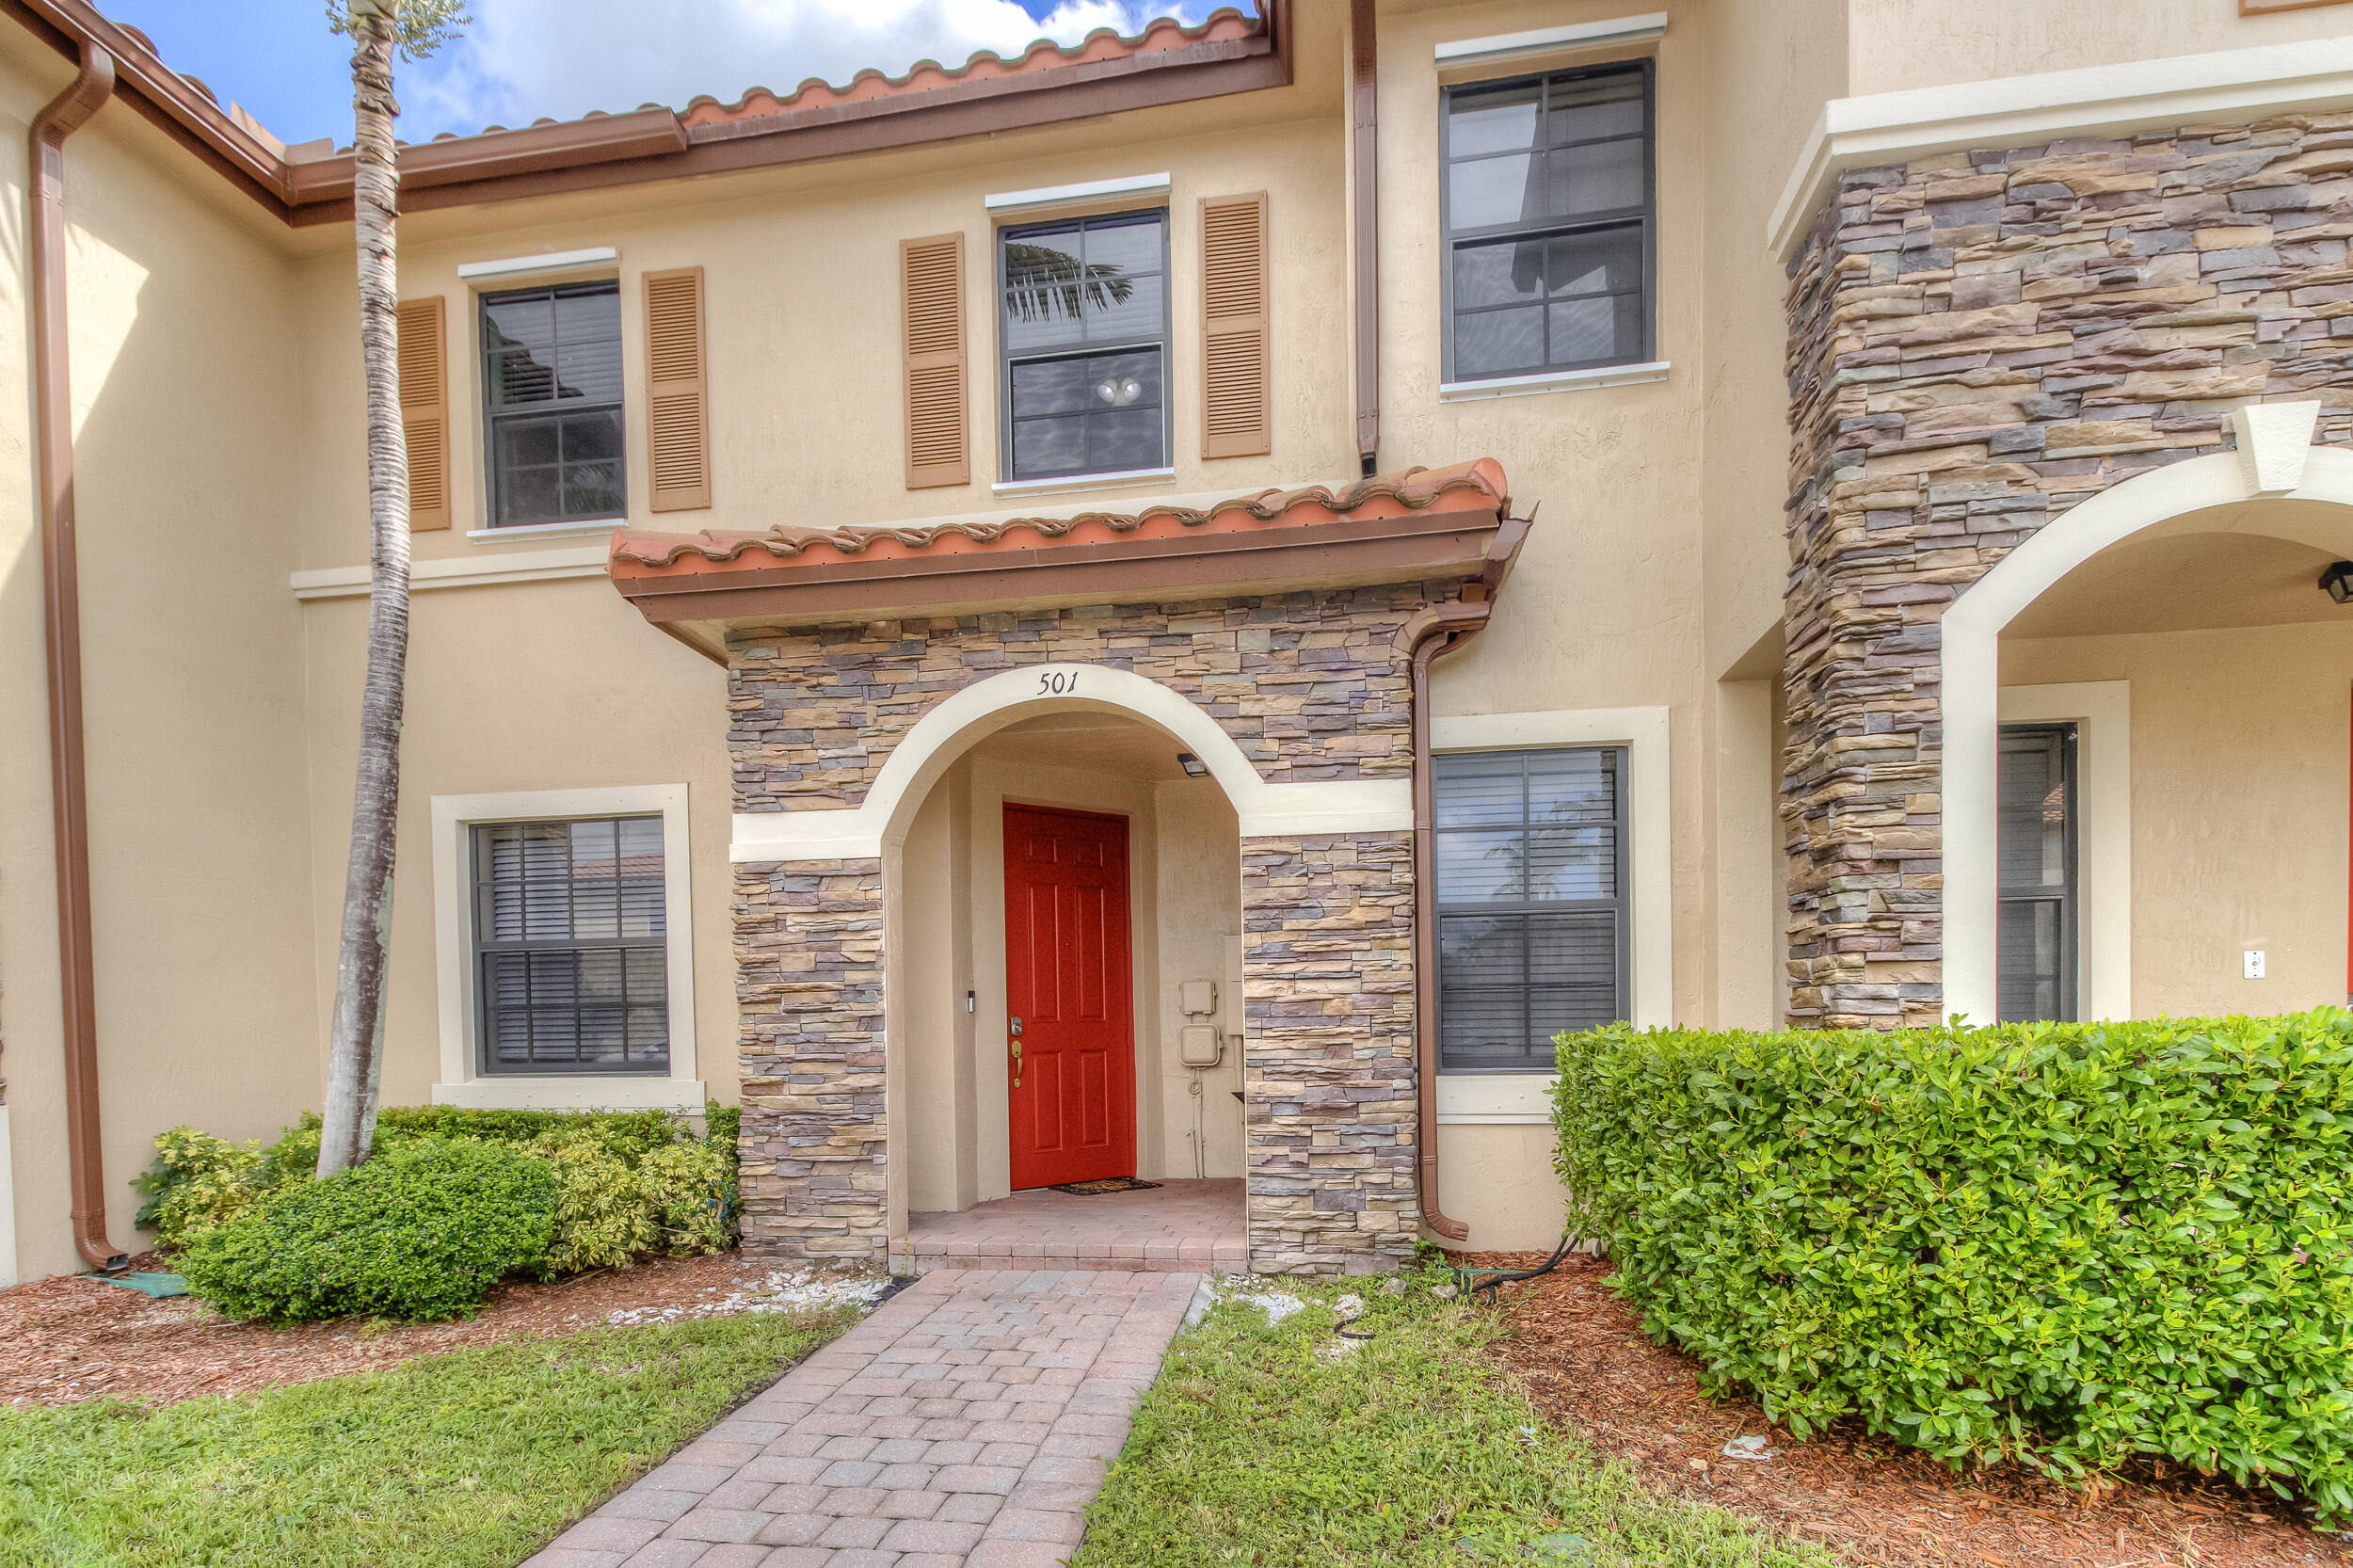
[1016,1031]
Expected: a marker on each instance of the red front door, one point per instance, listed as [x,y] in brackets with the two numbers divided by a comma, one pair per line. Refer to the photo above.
[1067,990]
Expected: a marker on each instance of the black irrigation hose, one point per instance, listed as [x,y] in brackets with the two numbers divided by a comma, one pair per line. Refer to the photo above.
[1470,1285]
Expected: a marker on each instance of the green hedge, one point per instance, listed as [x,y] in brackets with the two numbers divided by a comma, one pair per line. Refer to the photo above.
[623,1185]
[2066,1244]
[421,1232]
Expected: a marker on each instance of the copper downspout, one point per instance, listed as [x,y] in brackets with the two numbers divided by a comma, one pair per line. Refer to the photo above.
[1364,126]
[53,439]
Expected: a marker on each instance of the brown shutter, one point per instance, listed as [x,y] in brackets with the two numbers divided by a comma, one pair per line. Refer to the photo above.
[677,390]
[931,286]
[1237,411]
[425,409]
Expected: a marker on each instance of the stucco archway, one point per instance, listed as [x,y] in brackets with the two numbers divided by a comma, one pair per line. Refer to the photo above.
[2275,462]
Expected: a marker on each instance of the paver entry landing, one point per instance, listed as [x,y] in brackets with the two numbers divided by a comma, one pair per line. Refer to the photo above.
[967,1421]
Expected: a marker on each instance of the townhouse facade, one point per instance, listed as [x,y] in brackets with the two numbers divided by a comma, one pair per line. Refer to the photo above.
[1177,606]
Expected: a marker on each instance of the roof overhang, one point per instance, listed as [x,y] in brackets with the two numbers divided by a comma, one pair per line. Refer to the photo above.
[1167,63]
[1425,525]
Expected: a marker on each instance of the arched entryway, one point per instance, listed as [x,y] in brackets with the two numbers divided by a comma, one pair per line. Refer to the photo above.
[2163,655]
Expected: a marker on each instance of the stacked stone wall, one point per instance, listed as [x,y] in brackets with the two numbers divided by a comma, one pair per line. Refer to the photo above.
[1310,686]
[1977,342]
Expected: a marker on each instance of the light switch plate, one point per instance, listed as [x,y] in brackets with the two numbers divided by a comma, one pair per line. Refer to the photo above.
[2254,963]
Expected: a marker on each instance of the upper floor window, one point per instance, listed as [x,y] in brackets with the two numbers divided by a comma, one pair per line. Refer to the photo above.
[1549,214]
[552,395]
[1083,333]
[570,937]
[1530,850]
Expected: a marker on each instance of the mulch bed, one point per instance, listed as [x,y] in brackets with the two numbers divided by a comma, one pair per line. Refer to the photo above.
[1581,1354]
[69,1338]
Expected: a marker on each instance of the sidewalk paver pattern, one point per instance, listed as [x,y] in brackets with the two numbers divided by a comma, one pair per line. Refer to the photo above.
[1177,1225]
[965,1424]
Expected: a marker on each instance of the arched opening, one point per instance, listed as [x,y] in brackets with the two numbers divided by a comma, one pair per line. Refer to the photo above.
[1128,982]
[2146,750]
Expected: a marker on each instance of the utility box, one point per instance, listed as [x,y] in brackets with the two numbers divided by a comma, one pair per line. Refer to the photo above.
[1196,998]
[1199,1046]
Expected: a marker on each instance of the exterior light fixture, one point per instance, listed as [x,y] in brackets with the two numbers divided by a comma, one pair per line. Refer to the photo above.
[2337,582]
[1195,768]
[1118,390]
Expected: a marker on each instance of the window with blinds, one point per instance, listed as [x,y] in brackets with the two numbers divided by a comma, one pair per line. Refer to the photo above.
[1549,212]
[551,393]
[571,943]
[1531,858]
[2035,848]
[1084,330]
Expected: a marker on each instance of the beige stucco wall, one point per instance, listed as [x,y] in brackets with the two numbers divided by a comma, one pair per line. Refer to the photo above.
[1918,43]
[186,376]
[2239,804]
[1497,1178]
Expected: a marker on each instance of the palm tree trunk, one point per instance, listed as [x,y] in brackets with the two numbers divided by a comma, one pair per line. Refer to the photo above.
[356,1043]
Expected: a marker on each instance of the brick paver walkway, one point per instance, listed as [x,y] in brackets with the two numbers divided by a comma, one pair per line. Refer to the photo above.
[1177,1225]
[967,1421]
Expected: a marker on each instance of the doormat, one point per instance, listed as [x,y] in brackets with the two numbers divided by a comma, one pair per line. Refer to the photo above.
[1109,1184]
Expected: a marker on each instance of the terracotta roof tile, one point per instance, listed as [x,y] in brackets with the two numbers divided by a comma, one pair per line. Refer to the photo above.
[1104,43]
[1480,482]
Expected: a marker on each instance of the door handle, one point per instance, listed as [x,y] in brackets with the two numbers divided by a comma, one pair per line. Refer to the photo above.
[1016,1031]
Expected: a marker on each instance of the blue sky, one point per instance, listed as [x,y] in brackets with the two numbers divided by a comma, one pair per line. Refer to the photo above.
[522,59]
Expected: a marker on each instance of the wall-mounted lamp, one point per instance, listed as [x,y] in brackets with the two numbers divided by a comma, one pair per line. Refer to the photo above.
[2337,582]
[1195,768]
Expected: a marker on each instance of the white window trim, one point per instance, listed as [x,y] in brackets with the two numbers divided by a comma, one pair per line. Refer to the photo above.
[2102,712]
[1083,482]
[543,530]
[1045,197]
[1554,381]
[1545,40]
[1522,1097]
[526,267]
[453,917]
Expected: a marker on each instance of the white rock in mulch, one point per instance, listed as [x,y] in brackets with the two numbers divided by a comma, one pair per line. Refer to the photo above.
[1276,1305]
[1750,1448]
[784,1290]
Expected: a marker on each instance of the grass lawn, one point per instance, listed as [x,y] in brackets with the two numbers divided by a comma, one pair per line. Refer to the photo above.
[470,1460]
[1263,1445]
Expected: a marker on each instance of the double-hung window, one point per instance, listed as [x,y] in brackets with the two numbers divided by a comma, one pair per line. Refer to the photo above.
[1549,220]
[1530,850]
[1082,324]
[2035,849]
[571,939]
[551,397]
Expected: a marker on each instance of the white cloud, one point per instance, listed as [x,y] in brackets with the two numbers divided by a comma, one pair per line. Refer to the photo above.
[525,59]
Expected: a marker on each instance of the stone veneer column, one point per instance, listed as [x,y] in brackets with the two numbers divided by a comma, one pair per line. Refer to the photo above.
[809,990]
[1976,341]
[1330,1113]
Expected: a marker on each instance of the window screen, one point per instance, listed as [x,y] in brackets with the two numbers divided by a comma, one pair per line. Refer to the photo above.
[1548,222]
[551,392]
[1083,324]
[1530,860]
[571,947]
[2035,962]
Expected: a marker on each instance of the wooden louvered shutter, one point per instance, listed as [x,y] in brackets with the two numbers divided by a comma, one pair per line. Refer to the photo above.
[677,390]
[1237,405]
[931,286]
[425,409]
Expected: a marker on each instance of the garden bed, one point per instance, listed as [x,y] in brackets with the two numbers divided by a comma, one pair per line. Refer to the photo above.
[70,1338]
[1582,1356]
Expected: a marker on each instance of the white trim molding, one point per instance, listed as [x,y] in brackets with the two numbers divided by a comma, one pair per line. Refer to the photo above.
[1546,40]
[2102,712]
[552,261]
[1650,852]
[1495,1099]
[1554,380]
[2028,111]
[459,572]
[979,710]
[1073,482]
[1066,196]
[9,1271]
[2214,494]
[460,1083]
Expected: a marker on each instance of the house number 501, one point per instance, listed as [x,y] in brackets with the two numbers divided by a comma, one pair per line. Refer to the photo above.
[1057,682]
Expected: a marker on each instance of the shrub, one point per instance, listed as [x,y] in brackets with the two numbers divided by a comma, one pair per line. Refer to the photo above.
[2066,1244]
[421,1232]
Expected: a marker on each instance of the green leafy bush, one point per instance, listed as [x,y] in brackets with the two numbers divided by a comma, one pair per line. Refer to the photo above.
[2067,1244]
[420,1232]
